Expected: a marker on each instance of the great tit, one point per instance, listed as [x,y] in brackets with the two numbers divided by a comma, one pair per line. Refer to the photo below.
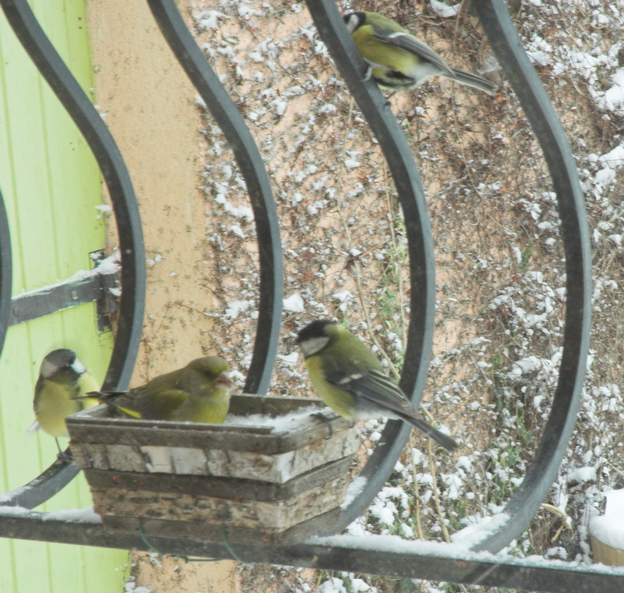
[61,390]
[199,392]
[397,60]
[349,379]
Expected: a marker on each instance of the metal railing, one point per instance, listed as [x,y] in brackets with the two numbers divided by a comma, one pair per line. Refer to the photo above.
[250,162]
[542,470]
[114,171]
[337,553]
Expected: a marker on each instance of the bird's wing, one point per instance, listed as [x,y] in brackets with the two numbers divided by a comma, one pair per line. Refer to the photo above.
[115,400]
[375,387]
[102,396]
[141,402]
[409,43]
[157,405]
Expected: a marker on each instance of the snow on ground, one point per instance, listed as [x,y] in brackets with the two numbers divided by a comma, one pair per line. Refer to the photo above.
[501,284]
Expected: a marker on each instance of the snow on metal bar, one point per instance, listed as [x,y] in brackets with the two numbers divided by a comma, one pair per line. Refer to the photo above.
[525,502]
[370,554]
[84,286]
[250,162]
[41,488]
[412,199]
[90,124]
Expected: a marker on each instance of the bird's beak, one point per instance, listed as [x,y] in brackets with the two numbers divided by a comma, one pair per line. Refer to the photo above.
[78,367]
[223,380]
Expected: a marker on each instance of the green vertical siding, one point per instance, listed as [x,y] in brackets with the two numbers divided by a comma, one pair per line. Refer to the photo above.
[51,187]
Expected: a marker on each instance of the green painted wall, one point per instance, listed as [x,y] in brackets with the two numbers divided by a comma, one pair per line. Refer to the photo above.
[51,187]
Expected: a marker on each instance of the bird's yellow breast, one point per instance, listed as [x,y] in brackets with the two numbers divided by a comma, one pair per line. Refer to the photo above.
[212,408]
[376,52]
[53,405]
[340,401]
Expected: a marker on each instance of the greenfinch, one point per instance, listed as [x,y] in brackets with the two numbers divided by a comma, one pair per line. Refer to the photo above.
[198,392]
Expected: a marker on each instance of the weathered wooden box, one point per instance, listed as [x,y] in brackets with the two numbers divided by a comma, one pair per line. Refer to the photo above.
[274,464]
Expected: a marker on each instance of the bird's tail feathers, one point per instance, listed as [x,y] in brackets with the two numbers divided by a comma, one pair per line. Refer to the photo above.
[474,81]
[439,437]
[102,396]
[125,410]
[109,398]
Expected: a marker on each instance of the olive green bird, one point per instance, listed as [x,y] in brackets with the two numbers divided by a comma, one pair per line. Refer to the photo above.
[350,380]
[199,392]
[61,390]
[397,60]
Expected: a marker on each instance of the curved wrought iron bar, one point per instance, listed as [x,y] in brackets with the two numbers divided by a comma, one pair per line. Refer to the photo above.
[542,472]
[5,272]
[412,199]
[248,157]
[43,487]
[110,161]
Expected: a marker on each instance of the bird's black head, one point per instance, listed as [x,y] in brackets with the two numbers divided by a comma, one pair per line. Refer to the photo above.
[315,329]
[354,20]
[315,336]
[61,361]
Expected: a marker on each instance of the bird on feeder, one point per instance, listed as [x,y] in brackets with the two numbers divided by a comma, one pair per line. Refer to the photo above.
[61,390]
[348,377]
[198,392]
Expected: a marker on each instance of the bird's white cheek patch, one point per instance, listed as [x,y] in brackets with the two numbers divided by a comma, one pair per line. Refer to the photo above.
[47,369]
[78,367]
[352,23]
[313,345]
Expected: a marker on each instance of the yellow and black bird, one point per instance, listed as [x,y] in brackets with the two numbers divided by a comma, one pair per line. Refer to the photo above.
[350,380]
[397,60]
[61,390]
[199,392]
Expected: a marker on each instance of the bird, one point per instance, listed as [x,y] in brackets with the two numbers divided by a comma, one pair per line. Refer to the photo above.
[198,392]
[398,60]
[348,377]
[61,390]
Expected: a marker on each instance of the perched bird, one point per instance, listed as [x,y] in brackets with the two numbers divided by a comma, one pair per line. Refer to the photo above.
[60,391]
[199,392]
[397,60]
[349,379]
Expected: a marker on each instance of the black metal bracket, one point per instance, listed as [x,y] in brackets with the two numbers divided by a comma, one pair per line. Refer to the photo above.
[93,286]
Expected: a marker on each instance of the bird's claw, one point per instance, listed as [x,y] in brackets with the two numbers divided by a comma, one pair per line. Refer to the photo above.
[64,457]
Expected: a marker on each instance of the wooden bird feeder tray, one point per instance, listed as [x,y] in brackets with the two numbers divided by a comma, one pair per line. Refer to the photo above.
[274,464]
